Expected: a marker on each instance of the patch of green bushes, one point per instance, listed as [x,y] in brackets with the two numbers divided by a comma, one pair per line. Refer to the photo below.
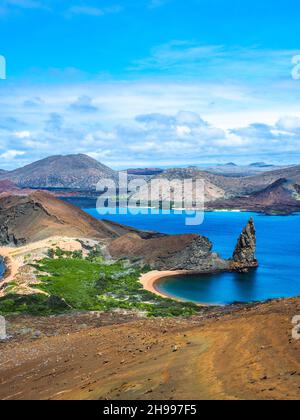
[91,285]
[30,304]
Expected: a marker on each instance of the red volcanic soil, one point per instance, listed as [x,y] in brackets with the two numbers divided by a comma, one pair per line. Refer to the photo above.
[181,252]
[40,215]
[247,353]
[132,245]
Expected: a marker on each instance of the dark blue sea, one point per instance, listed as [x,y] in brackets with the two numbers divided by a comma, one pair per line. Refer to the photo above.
[278,252]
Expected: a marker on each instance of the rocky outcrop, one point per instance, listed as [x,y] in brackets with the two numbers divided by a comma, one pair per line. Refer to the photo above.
[176,252]
[244,257]
[185,252]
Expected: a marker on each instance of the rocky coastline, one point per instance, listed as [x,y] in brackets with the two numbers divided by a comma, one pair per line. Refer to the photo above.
[40,215]
[192,253]
[150,251]
[242,261]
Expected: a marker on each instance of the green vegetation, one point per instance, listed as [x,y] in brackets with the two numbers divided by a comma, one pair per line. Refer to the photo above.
[77,284]
[33,304]
[58,252]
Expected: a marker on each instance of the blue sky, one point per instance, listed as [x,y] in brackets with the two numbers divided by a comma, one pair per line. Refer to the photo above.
[150,82]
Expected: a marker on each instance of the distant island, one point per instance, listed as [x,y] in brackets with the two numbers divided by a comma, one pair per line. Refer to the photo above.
[271,190]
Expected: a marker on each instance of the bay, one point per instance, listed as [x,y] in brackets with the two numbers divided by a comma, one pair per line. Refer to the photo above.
[278,252]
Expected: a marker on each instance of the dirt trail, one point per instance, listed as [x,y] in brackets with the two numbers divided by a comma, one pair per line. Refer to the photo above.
[249,354]
[18,260]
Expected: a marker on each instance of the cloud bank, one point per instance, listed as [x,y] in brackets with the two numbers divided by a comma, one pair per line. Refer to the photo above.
[116,124]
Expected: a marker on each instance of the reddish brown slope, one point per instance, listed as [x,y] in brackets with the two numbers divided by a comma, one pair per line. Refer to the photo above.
[41,215]
[248,354]
[180,252]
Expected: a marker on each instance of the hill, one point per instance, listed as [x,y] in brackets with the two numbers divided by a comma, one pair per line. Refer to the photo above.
[249,192]
[80,174]
[212,190]
[233,170]
[261,165]
[76,172]
[40,215]
[281,196]
[236,185]
[7,186]
[258,182]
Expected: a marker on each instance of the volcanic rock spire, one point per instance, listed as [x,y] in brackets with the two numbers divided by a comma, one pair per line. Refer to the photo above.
[244,254]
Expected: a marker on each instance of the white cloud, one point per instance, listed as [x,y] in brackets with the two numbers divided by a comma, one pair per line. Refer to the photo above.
[184,129]
[11,154]
[289,123]
[83,104]
[22,134]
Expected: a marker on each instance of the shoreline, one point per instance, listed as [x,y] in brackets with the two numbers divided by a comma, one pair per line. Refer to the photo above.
[149,280]
[257,211]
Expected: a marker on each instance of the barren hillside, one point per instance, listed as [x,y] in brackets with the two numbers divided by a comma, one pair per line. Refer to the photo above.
[40,215]
[224,353]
